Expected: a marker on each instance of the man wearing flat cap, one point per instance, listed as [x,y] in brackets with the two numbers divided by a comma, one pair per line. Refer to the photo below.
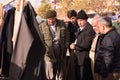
[81,46]
[55,37]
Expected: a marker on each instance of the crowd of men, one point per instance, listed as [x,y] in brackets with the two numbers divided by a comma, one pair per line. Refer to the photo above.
[94,48]
[78,50]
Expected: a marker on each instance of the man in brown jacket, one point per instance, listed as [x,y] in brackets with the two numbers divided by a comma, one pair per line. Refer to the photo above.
[55,36]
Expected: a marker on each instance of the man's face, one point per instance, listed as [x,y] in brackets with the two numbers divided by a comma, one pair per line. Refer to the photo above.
[95,25]
[73,19]
[51,21]
[81,22]
[101,28]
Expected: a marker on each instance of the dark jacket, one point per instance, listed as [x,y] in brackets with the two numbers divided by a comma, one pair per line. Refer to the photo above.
[107,58]
[83,44]
[82,47]
[72,28]
[6,45]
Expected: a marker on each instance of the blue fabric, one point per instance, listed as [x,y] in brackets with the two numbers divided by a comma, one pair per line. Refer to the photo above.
[113,17]
[8,7]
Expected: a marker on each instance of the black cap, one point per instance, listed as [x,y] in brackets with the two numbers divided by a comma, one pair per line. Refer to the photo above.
[82,15]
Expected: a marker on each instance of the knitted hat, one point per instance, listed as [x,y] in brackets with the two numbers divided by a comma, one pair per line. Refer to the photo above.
[82,15]
[50,14]
[71,13]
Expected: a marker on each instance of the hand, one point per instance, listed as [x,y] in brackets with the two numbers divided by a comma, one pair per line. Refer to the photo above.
[109,77]
[72,46]
[116,76]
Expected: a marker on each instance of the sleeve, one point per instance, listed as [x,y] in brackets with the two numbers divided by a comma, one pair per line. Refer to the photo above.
[107,52]
[107,49]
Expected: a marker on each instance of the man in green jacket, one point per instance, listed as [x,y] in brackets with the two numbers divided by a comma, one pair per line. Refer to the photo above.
[117,24]
[55,36]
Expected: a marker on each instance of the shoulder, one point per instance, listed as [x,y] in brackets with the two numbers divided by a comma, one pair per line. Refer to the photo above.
[43,24]
[113,35]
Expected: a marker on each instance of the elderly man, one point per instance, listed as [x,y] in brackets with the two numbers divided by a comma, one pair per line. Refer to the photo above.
[93,46]
[107,56]
[56,40]
[82,45]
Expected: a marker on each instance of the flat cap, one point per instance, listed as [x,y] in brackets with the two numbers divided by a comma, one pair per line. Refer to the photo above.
[50,14]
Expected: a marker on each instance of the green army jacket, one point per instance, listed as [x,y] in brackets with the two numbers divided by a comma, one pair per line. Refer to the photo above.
[63,37]
[117,26]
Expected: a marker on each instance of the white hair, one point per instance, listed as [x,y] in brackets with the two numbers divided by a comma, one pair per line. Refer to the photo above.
[105,20]
[97,16]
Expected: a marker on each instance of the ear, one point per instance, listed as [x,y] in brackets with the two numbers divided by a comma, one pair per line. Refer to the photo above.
[103,26]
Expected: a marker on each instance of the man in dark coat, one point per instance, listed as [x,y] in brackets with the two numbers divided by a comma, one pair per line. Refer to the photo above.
[82,46]
[107,58]
[72,27]
[72,24]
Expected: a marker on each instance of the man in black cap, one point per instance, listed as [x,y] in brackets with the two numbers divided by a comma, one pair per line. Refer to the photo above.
[81,46]
[55,37]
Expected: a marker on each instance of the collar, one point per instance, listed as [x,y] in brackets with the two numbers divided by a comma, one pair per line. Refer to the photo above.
[81,28]
[110,31]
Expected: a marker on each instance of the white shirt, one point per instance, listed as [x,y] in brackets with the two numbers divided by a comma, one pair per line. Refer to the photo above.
[54,29]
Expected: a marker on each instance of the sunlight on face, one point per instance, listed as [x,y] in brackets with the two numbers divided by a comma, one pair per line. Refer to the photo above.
[101,28]
[95,25]
[81,22]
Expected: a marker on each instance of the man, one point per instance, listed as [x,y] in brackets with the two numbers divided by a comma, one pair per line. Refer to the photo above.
[117,24]
[72,28]
[82,47]
[93,46]
[72,24]
[55,36]
[107,57]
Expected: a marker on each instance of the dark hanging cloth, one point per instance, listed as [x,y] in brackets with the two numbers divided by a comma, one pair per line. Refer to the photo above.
[36,53]
[6,41]
[29,49]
